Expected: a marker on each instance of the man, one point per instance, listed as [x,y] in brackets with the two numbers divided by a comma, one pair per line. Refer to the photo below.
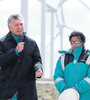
[73,68]
[20,63]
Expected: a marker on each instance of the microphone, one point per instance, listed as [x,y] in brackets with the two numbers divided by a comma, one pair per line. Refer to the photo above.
[20,37]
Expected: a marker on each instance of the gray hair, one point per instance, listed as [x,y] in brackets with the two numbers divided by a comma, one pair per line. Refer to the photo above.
[16,16]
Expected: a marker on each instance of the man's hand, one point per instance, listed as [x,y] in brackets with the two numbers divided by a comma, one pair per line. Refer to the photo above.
[20,46]
[38,73]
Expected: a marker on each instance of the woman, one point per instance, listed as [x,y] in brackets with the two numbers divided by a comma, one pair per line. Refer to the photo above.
[73,67]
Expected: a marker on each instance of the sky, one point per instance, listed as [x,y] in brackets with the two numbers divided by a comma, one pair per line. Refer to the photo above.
[76,16]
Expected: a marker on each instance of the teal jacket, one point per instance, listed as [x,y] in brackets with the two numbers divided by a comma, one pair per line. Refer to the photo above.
[75,73]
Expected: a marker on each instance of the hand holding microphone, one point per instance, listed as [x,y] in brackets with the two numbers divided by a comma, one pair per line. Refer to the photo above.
[20,46]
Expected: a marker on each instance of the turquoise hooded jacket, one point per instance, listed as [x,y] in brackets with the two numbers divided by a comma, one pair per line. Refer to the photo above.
[74,74]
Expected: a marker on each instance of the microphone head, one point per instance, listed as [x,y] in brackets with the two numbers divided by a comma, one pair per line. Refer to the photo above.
[20,37]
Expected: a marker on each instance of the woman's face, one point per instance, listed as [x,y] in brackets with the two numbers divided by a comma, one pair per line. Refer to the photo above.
[75,41]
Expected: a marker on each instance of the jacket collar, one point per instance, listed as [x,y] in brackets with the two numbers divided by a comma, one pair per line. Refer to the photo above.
[9,35]
[77,50]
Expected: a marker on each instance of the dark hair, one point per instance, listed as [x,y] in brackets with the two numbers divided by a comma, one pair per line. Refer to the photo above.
[78,34]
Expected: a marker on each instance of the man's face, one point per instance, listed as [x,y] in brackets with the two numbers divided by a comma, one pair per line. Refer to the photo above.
[16,26]
[75,41]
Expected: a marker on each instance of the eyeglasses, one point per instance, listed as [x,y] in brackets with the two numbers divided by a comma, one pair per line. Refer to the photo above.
[76,42]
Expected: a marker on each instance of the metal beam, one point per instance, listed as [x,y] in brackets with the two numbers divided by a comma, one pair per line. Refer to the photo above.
[52,45]
[24,12]
[43,5]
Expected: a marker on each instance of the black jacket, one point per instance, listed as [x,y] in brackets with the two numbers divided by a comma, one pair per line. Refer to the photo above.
[17,72]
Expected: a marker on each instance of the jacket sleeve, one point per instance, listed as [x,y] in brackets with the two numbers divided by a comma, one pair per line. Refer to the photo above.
[37,58]
[6,57]
[59,77]
[84,85]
